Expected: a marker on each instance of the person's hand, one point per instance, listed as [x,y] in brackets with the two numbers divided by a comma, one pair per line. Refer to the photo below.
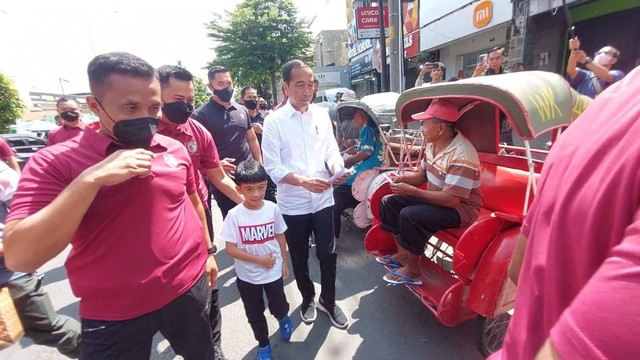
[580,56]
[341,179]
[212,271]
[121,166]
[316,185]
[574,44]
[403,189]
[480,68]
[267,261]
[227,165]
[257,127]
[351,151]
[285,271]
[398,179]
[348,143]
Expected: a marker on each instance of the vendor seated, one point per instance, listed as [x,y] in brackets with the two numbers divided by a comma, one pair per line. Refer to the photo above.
[452,198]
[367,154]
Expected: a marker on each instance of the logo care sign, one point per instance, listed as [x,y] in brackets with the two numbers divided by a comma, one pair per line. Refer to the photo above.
[367,22]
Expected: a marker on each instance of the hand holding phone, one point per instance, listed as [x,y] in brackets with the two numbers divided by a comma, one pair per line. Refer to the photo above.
[482,59]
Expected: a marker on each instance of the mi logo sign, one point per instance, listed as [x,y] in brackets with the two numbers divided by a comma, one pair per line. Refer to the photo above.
[482,14]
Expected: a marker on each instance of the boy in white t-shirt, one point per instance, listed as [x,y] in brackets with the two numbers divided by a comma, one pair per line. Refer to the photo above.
[254,235]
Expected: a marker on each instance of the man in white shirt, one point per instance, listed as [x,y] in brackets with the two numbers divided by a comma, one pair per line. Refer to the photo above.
[298,147]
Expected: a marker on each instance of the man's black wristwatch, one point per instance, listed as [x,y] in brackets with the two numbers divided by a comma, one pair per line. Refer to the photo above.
[588,60]
[212,250]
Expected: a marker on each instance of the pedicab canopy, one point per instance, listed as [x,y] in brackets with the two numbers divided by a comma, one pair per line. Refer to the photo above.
[381,107]
[534,102]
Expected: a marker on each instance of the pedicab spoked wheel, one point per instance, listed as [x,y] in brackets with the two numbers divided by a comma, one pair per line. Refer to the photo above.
[493,332]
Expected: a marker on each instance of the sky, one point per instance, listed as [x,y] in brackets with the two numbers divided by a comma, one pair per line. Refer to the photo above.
[44,41]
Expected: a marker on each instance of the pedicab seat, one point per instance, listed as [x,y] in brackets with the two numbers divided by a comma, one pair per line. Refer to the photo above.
[503,184]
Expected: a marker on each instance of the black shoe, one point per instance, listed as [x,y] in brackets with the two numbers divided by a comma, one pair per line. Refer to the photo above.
[308,312]
[217,353]
[337,316]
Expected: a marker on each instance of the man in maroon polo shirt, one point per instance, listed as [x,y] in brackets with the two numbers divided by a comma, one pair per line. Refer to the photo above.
[127,201]
[178,97]
[72,126]
[8,155]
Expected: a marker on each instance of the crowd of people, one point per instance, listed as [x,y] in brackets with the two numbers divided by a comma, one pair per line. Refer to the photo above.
[136,188]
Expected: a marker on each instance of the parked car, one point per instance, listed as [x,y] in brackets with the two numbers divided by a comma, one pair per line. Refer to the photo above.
[24,145]
[328,95]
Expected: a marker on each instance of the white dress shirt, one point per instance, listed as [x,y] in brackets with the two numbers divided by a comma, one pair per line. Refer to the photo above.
[302,144]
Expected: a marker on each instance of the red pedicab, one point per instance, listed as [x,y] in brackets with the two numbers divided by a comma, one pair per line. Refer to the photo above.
[464,270]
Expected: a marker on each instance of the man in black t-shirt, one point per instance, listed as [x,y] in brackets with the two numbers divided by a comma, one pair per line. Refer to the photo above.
[231,128]
[249,98]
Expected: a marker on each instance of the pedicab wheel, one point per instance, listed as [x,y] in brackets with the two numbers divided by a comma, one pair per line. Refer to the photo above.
[493,333]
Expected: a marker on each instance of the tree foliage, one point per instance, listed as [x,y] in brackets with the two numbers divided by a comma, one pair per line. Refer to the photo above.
[257,38]
[11,105]
[202,96]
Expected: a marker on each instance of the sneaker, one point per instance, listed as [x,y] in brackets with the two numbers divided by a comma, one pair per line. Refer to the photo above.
[308,312]
[264,353]
[286,328]
[217,353]
[337,316]
[312,241]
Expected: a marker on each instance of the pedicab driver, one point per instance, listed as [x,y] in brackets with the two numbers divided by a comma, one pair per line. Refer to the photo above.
[452,199]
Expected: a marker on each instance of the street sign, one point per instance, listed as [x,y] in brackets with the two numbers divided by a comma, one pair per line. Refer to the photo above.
[367,22]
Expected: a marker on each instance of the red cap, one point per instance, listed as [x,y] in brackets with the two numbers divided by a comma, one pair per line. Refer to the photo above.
[439,109]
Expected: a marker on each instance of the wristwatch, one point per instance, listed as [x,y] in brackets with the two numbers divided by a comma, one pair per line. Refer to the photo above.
[212,250]
[588,60]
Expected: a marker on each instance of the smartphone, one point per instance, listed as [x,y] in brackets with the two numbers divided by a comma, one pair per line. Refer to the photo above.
[482,59]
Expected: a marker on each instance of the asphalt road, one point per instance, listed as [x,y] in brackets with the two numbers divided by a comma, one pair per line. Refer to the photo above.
[386,322]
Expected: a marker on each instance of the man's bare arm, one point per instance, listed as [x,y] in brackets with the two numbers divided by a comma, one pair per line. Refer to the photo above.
[224,183]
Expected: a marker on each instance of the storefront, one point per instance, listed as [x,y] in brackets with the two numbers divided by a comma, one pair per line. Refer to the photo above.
[411,31]
[597,23]
[459,31]
[363,74]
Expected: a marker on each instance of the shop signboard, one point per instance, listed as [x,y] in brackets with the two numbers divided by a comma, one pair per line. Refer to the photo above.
[368,22]
[449,23]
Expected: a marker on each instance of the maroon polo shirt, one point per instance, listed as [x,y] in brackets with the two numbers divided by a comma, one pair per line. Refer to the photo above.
[5,150]
[140,244]
[64,133]
[201,148]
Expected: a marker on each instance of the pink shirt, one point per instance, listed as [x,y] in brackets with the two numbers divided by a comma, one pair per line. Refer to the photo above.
[140,245]
[202,150]
[64,133]
[580,280]
[5,150]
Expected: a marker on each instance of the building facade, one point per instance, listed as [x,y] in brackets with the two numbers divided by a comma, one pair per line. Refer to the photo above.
[597,23]
[331,48]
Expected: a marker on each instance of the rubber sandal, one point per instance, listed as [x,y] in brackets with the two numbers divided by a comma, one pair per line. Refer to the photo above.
[392,263]
[405,279]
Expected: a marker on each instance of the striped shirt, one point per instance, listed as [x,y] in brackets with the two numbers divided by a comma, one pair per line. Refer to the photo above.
[456,171]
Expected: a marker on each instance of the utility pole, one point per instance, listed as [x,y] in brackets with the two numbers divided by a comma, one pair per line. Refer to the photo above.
[384,76]
[395,34]
[61,86]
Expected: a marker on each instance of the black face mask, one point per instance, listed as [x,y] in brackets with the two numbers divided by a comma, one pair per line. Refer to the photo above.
[178,112]
[251,104]
[263,106]
[224,95]
[134,133]
[69,116]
